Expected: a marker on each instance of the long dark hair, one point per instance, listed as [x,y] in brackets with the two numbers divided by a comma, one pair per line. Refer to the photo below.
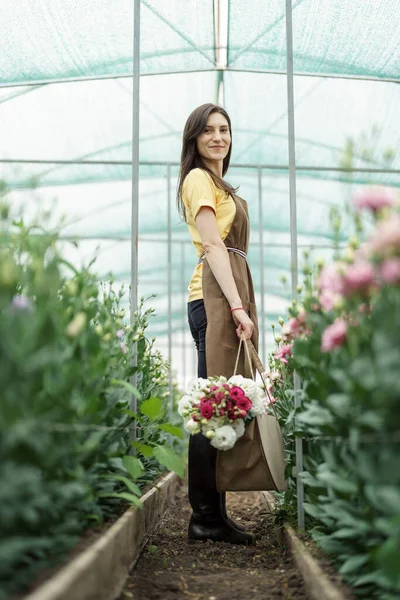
[190,157]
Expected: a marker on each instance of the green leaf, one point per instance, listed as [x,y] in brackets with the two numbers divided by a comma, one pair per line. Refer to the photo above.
[133,465]
[175,431]
[388,559]
[124,496]
[337,483]
[353,563]
[128,386]
[168,458]
[129,412]
[152,408]
[312,510]
[147,451]
[129,484]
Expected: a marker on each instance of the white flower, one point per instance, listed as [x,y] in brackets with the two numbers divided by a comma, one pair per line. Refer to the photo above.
[225,438]
[259,406]
[195,385]
[238,427]
[191,426]
[184,405]
[212,424]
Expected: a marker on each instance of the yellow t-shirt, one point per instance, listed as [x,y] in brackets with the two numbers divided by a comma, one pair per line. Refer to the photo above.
[200,190]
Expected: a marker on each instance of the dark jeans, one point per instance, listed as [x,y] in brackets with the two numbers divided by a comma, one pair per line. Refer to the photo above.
[198,324]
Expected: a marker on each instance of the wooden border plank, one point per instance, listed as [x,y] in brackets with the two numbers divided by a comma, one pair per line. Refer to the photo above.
[99,573]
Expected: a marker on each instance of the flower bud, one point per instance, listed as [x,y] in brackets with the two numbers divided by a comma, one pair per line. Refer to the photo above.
[278,339]
[320,262]
[281,321]
[354,242]
[71,287]
[299,288]
[107,337]
[210,434]
[76,325]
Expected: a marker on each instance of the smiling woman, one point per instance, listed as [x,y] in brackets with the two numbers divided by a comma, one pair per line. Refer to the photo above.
[221,297]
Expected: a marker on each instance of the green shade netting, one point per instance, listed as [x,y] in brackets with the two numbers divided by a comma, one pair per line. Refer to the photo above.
[43,40]
[352,37]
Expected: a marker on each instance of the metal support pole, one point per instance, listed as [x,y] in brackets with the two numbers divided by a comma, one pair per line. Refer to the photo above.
[262,291]
[293,237]
[169,284]
[183,288]
[135,188]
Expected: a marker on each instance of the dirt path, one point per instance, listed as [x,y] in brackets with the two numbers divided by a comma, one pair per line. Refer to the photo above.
[171,569]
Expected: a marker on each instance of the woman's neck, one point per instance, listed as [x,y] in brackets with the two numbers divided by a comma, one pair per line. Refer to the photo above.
[215,166]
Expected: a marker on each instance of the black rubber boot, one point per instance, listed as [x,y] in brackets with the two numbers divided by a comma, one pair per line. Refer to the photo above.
[207,521]
[225,514]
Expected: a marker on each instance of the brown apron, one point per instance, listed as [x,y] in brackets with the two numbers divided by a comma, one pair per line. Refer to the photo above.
[222,341]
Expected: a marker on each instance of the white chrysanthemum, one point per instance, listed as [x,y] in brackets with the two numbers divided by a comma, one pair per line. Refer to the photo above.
[191,426]
[225,438]
[238,427]
[185,404]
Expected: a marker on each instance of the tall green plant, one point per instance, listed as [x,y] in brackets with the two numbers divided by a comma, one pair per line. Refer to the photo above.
[344,341]
[65,364]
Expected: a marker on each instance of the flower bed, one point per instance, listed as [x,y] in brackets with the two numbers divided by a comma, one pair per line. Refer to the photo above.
[344,342]
[66,361]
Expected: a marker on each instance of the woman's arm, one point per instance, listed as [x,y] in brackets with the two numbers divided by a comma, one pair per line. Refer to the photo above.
[218,259]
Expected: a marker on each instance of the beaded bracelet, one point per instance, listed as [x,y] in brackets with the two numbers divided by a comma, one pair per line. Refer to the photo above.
[238,308]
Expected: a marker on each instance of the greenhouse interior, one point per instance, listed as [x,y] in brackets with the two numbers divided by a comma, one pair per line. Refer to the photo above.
[93,102]
[66,121]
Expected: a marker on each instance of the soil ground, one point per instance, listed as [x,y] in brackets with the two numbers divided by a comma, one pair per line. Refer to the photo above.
[171,569]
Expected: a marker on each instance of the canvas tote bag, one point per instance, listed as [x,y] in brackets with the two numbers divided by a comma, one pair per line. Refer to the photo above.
[256,462]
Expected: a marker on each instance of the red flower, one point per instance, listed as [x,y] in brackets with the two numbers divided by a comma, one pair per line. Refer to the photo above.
[244,403]
[203,400]
[236,393]
[232,415]
[218,397]
[213,388]
[207,410]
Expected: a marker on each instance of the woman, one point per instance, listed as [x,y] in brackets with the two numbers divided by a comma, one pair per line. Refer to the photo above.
[221,297]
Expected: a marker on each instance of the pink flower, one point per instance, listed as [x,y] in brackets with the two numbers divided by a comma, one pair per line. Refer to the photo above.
[120,333]
[244,403]
[358,277]
[331,285]
[386,237]
[330,279]
[390,270]
[283,352]
[274,375]
[206,410]
[236,393]
[124,347]
[334,335]
[374,199]
[213,388]
[21,303]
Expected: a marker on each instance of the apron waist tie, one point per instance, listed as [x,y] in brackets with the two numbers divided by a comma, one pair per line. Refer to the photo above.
[234,250]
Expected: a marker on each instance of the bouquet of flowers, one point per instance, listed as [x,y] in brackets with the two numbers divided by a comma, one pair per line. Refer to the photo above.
[220,408]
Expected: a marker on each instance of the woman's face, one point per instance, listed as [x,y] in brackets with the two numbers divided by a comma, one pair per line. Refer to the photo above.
[214,143]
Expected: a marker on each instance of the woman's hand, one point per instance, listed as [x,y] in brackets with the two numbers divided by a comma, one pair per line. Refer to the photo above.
[243,322]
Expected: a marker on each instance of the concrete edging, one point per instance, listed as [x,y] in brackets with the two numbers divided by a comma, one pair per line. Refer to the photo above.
[318,584]
[100,571]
